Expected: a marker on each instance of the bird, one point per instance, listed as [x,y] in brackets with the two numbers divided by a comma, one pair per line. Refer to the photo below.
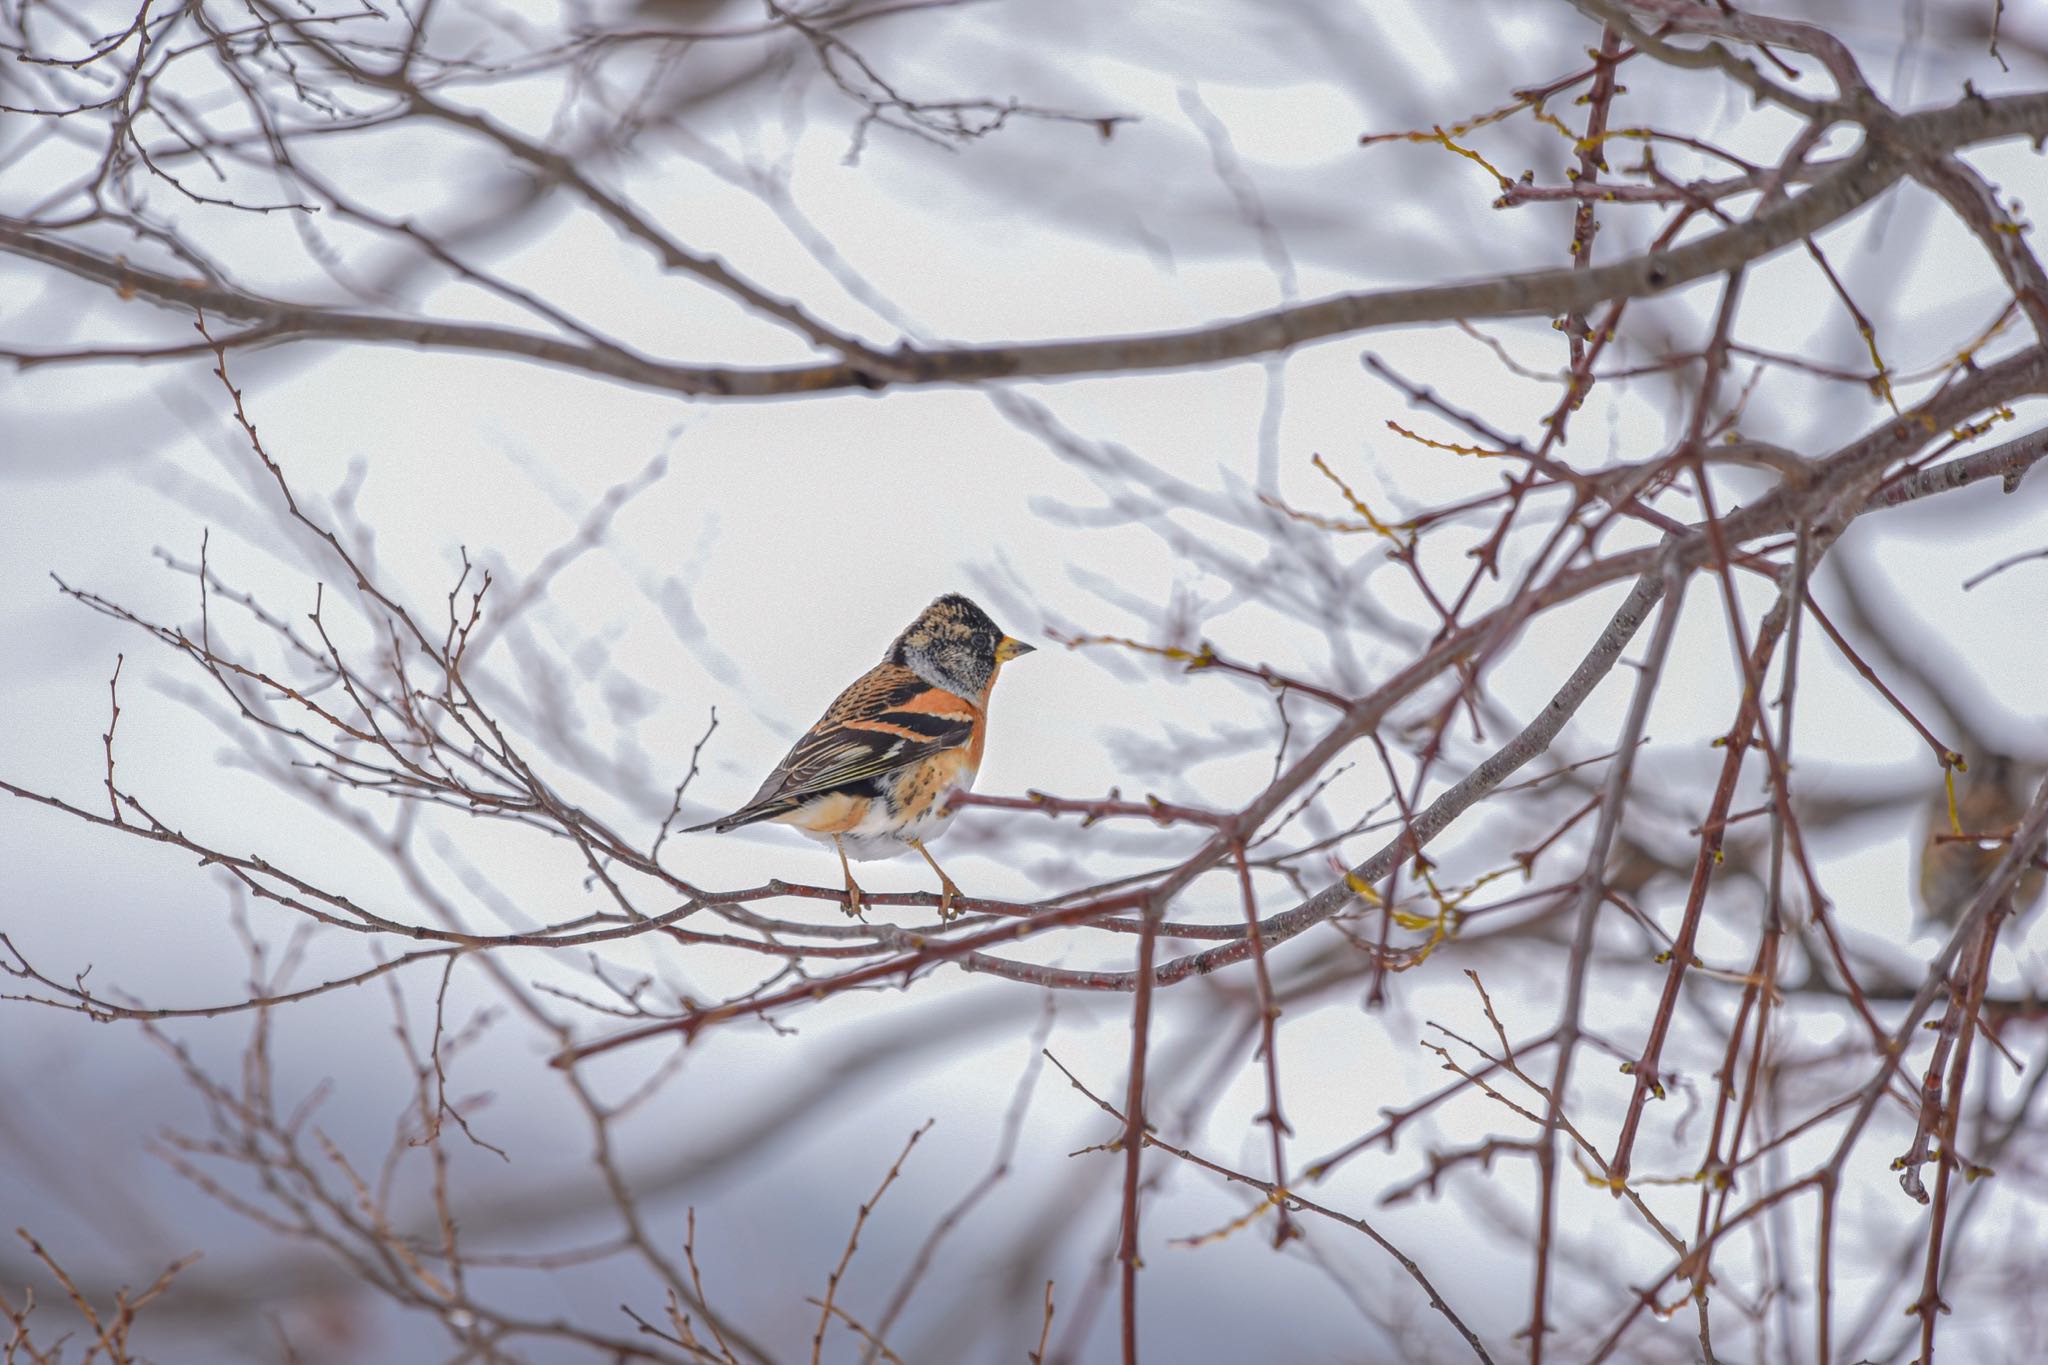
[876,775]
[1989,801]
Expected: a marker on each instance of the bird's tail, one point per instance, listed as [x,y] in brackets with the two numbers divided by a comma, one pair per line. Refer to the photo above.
[745,815]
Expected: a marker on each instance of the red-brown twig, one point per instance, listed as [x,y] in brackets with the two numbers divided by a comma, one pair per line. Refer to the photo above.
[853,1242]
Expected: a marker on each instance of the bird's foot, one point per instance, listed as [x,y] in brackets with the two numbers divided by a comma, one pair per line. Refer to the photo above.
[949,892]
[856,903]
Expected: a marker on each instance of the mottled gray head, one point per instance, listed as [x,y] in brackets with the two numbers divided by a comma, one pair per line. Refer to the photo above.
[953,644]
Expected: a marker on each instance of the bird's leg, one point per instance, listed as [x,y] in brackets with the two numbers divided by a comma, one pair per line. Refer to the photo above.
[948,891]
[854,900]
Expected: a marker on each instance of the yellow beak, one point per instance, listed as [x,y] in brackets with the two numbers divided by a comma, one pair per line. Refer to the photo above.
[1008,649]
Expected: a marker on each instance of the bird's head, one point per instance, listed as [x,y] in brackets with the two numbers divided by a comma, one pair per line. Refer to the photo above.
[953,644]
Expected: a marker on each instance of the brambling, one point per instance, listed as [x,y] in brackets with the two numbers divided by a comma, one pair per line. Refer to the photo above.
[875,775]
[1989,802]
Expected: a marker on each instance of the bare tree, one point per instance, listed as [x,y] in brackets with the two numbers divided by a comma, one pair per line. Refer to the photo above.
[1683,1079]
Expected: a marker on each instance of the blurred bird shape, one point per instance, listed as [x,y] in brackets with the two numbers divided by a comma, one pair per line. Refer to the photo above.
[1990,798]
[877,772]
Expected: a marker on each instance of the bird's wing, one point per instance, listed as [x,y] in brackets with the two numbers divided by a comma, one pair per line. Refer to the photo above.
[886,721]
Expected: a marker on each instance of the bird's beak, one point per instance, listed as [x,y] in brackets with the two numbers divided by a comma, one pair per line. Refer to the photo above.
[1009,649]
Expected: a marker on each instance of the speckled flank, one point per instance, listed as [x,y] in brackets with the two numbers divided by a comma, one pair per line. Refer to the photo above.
[913,807]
